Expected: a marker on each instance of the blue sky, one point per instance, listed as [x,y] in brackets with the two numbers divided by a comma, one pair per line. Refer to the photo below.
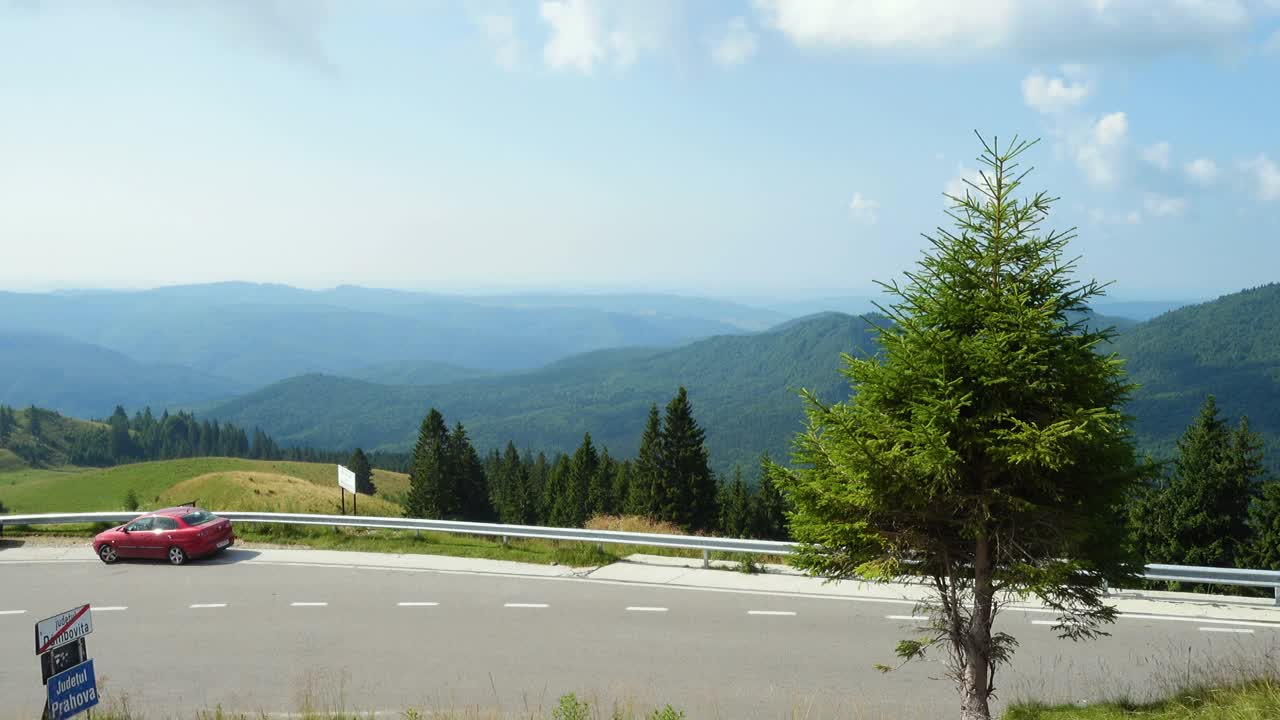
[775,147]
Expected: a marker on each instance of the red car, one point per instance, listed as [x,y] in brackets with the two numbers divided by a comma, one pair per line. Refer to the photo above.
[177,533]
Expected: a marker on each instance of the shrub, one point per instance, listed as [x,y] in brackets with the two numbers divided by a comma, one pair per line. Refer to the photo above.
[571,709]
[667,713]
[131,500]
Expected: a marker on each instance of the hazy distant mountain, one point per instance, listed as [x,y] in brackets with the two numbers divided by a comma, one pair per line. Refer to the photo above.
[1139,310]
[416,372]
[742,387]
[257,334]
[88,381]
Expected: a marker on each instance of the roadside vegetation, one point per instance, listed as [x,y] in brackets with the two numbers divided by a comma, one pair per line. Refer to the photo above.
[1258,700]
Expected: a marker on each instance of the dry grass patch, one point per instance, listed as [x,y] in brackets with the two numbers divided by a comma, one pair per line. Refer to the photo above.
[268,492]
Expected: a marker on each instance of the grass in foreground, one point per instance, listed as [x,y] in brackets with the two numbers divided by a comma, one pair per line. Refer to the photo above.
[1257,700]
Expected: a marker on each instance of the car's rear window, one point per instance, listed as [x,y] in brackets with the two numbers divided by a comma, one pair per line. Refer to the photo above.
[197,517]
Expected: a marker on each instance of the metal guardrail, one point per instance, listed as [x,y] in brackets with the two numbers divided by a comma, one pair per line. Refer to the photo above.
[1178,573]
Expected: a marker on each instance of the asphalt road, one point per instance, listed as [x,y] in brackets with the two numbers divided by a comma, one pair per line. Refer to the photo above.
[253,636]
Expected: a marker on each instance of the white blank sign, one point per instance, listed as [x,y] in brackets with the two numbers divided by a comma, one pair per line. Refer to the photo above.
[346,479]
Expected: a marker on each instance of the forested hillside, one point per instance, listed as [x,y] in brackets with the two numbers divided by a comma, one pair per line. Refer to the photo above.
[1229,347]
[743,390]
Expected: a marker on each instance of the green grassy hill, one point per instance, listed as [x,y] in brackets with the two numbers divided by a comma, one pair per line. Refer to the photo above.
[742,387]
[217,483]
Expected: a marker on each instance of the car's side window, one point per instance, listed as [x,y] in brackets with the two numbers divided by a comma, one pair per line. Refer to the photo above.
[166,523]
[140,524]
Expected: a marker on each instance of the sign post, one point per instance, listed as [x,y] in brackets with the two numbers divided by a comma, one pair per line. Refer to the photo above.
[65,667]
[347,481]
[72,691]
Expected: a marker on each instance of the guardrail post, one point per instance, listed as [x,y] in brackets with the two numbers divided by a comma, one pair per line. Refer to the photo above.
[706,558]
[1106,588]
[504,539]
[1278,596]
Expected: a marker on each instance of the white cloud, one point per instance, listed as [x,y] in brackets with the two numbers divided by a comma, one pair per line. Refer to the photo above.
[864,209]
[1267,175]
[735,45]
[1158,205]
[1101,217]
[1201,171]
[1157,155]
[584,33]
[1097,27]
[1100,152]
[1052,95]
[577,38]
[501,31]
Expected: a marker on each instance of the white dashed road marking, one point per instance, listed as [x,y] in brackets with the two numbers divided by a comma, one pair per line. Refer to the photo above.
[646,609]
[107,608]
[770,612]
[11,612]
[418,604]
[526,605]
[1226,630]
[905,617]
[309,604]
[208,605]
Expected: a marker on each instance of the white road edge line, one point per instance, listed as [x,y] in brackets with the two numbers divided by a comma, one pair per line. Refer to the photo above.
[1206,621]
[309,604]
[107,608]
[1226,630]
[771,612]
[12,612]
[638,608]
[526,605]
[207,605]
[418,604]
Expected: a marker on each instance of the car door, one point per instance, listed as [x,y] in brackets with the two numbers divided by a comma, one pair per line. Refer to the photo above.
[137,537]
[161,536]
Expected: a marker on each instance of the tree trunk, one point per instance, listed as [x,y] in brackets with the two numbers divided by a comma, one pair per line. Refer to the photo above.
[976,680]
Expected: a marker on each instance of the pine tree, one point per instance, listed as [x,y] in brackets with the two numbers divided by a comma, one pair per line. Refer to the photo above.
[686,489]
[569,507]
[120,444]
[1264,527]
[600,487]
[769,509]
[555,509]
[33,422]
[359,466]
[622,474]
[470,485]
[430,482]
[986,441]
[1200,516]
[7,422]
[643,498]
[539,472]
[737,508]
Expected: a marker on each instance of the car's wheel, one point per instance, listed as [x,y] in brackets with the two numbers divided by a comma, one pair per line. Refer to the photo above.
[177,556]
[108,554]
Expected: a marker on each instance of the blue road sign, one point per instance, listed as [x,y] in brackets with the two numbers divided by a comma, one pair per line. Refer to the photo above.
[72,691]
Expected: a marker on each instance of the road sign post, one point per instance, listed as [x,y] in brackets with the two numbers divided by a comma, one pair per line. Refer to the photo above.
[72,691]
[61,658]
[347,481]
[63,628]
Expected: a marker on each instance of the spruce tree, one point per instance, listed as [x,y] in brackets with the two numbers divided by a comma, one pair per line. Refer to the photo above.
[33,422]
[985,445]
[6,422]
[642,498]
[622,474]
[686,489]
[769,509]
[1200,515]
[737,508]
[600,487]
[358,464]
[120,444]
[471,490]
[430,485]
[569,507]
[539,478]
[556,507]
